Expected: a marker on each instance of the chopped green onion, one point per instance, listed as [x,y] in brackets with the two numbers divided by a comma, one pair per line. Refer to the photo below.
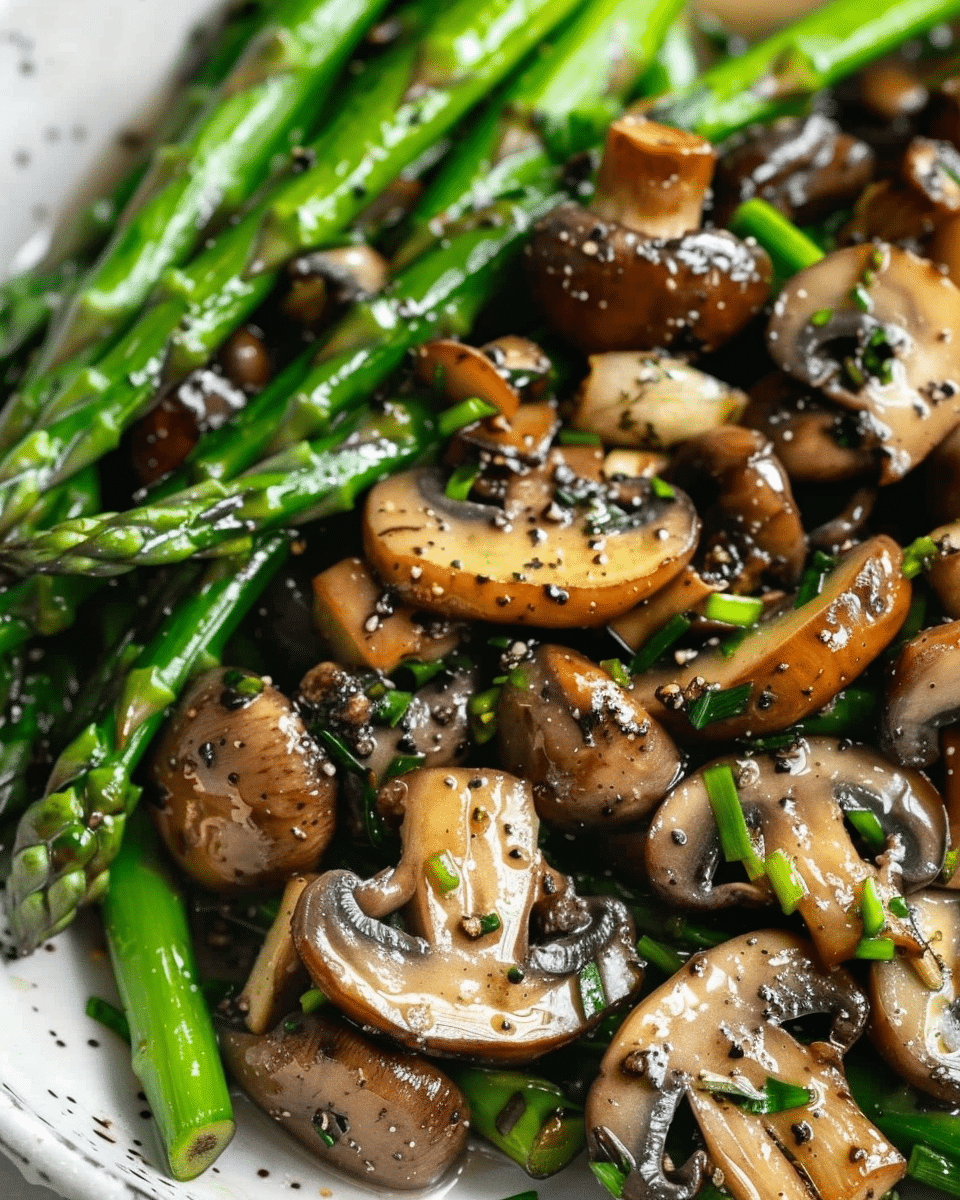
[735,841]
[323,1134]
[734,610]
[730,645]
[783,1096]
[489,922]
[461,481]
[861,298]
[787,884]
[242,683]
[592,995]
[422,672]
[876,949]
[775,1096]
[400,764]
[659,643]
[392,707]
[482,710]
[811,585]
[867,824]
[664,958]
[617,671]
[579,437]
[950,862]
[871,908]
[918,556]
[611,1177]
[312,1000]
[719,704]
[662,489]
[821,317]
[848,711]
[464,413]
[934,1169]
[789,248]
[109,1016]
[518,678]
[443,871]
[899,907]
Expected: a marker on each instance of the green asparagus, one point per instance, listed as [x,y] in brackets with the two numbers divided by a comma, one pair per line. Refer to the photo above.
[67,840]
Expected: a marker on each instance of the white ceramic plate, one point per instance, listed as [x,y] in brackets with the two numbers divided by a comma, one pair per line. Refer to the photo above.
[75,74]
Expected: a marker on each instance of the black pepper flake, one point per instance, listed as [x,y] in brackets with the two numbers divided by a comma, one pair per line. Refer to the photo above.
[208,753]
[802,1132]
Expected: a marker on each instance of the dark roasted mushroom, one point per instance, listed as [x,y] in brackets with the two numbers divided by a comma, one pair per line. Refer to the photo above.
[323,280]
[943,573]
[386,1117]
[246,797]
[498,955]
[592,753]
[923,694]
[796,802]
[501,372]
[713,1035]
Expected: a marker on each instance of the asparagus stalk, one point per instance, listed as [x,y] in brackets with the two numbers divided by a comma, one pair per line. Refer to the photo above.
[308,480]
[789,247]
[67,840]
[779,74]
[557,107]
[174,1047]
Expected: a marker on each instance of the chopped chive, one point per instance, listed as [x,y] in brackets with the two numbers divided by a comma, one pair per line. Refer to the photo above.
[811,584]
[719,704]
[871,908]
[659,643]
[312,1000]
[662,489]
[461,481]
[876,949]
[392,707]
[787,884]
[422,672]
[579,437]
[734,610]
[464,413]
[918,556]
[518,678]
[443,871]
[592,995]
[617,671]
[854,374]
[489,922]
[821,317]
[730,645]
[664,958]
[876,259]
[482,711]
[789,248]
[611,1177]
[899,907]
[934,1169]
[849,710]
[775,1096]
[324,1135]
[950,861]
[867,824]
[861,298]
[735,841]
[783,1096]
[400,764]
[109,1016]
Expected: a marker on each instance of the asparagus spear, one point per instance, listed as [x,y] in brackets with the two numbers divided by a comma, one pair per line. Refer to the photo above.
[174,1047]
[67,840]
[308,480]
[789,247]
[779,74]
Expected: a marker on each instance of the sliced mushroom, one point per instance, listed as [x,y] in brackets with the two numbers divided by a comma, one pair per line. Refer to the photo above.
[932,169]
[943,574]
[538,560]
[684,593]
[752,529]
[914,1027]
[943,248]
[278,977]
[878,330]
[890,211]
[246,360]
[323,280]
[715,1031]
[651,401]
[798,659]
[383,1116]
[497,955]
[460,372]
[365,626]
[795,802]
[841,532]
[923,694]
[509,446]
[891,89]
[245,799]
[943,479]
[592,753]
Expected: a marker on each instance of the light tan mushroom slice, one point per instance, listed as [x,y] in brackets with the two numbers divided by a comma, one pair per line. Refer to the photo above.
[462,372]
[365,627]
[495,943]
[686,592]
[797,660]
[943,574]
[385,1117]
[536,561]
[648,400]
[653,178]
[278,976]
[717,1024]
[594,755]
[878,330]
[634,464]
[915,1027]
[923,694]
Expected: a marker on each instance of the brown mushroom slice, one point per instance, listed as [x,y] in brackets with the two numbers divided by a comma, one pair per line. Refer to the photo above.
[943,479]
[592,753]
[798,659]
[752,528]
[606,287]
[365,626]
[245,799]
[536,561]
[932,169]
[943,573]
[923,694]
[522,363]
[497,954]
[324,279]
[675,168]
[622,463]
[890,211]
[462,372]
[795,802]
[913,1026]
[841,532]
[383,1116]
[684,593]
[651,401]
[715,1029]
[878,330]
[816,442]
[890,88]
[524,440]
[278,977]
